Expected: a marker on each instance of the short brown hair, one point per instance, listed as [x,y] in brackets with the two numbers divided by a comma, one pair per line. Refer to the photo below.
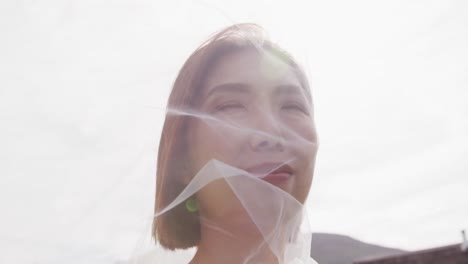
[179,228]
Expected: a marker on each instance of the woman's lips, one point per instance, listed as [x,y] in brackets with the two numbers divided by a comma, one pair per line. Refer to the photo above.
[277,178]
[274,173]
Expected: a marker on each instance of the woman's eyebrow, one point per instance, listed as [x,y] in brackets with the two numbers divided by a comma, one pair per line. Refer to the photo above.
[229,88]
[289,88]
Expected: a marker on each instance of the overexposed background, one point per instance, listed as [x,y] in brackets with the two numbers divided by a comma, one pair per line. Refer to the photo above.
[83,86]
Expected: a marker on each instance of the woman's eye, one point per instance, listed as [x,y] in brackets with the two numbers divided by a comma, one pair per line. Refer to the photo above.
[229,107]
[295,108]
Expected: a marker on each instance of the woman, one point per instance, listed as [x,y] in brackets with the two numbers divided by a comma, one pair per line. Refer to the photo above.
[237,152]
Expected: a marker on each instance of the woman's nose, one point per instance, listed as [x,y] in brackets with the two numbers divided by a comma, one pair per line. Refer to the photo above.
[266,135]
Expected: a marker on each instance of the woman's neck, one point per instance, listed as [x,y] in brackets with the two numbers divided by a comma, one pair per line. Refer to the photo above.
[231,245]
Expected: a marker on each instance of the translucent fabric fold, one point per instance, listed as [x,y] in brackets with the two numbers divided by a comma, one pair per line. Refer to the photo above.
[275,215]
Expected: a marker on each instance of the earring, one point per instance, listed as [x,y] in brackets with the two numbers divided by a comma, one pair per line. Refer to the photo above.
[191,205]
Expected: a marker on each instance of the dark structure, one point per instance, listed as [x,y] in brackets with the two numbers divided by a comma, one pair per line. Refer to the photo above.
[453,254]
[339,249]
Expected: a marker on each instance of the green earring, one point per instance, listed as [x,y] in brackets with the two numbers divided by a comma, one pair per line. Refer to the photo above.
[191,205]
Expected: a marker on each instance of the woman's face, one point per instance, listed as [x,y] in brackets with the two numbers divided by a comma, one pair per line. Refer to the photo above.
[259,120]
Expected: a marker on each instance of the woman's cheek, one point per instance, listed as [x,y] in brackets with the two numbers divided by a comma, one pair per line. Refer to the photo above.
[220,142]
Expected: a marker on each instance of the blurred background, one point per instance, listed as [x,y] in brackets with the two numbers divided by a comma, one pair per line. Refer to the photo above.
[83,86]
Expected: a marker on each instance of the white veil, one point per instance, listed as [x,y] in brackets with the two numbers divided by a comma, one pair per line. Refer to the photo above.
[84,88]
[255,191]
[279,221]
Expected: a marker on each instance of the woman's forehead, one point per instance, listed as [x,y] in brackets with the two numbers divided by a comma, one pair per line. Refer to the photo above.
[250,68]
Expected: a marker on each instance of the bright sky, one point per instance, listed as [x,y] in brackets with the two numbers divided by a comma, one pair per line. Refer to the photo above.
[83,85]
